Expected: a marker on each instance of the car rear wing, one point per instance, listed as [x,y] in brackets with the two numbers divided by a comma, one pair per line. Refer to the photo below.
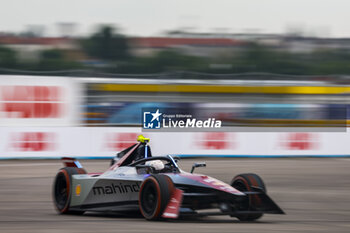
[71,162]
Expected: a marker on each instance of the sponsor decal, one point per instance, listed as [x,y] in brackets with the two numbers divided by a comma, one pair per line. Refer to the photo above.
[216,141]
[31,101]
[32,141]
[299,141]
[116,188]
[78,190]
[119,141]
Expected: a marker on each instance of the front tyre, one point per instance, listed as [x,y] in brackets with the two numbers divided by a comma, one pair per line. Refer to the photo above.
[154,196]
[244,183]
[62,189]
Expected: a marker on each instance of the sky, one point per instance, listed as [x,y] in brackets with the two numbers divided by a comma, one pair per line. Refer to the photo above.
[327,18]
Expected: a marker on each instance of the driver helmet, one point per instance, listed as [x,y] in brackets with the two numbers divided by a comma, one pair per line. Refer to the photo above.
[156,164]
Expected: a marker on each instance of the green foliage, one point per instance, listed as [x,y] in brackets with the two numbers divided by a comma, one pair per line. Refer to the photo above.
[8,58]
[55,60]
[256,58]
[107,45]
[111,49]
[167,60]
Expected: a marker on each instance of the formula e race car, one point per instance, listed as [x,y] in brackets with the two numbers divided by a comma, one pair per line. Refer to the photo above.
[158,188]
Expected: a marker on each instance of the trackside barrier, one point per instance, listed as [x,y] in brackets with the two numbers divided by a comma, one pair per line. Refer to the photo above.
[98,142]
[39,101]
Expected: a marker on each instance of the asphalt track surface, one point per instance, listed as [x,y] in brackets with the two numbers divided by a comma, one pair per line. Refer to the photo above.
[314,192]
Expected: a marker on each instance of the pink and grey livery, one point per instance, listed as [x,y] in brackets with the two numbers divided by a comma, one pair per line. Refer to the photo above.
[131,183]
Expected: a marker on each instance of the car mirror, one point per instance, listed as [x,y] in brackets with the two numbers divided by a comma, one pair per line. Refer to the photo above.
[201,164]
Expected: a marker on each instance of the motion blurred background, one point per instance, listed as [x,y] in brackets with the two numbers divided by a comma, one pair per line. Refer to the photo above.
[74,76]
[257,64]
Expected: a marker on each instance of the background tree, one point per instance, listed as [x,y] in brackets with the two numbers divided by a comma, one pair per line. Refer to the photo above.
[55,59]
[8,58]
[106,44]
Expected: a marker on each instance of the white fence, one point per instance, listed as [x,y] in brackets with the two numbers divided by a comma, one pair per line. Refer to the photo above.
[97,142]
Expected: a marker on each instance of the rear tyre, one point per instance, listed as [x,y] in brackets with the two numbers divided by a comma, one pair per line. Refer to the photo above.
[244,183]
[154,196]
[62,189]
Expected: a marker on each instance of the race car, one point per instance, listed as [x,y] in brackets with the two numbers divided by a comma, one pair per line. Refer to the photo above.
[158,188]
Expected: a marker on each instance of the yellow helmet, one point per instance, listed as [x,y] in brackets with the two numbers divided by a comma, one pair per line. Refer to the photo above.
[142,139]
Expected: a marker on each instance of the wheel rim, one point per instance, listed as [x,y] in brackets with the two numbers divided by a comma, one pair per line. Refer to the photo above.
[149,200]
[240,185]
[61,192]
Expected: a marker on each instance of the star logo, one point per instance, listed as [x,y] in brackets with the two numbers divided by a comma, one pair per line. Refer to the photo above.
[156,115]
[152,119]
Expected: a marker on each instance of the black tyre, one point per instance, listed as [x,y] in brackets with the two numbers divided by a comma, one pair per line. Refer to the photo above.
[62,189]
[154,195]
[244,183]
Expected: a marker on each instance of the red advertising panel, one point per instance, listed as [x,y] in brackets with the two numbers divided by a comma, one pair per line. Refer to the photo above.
[39,101]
